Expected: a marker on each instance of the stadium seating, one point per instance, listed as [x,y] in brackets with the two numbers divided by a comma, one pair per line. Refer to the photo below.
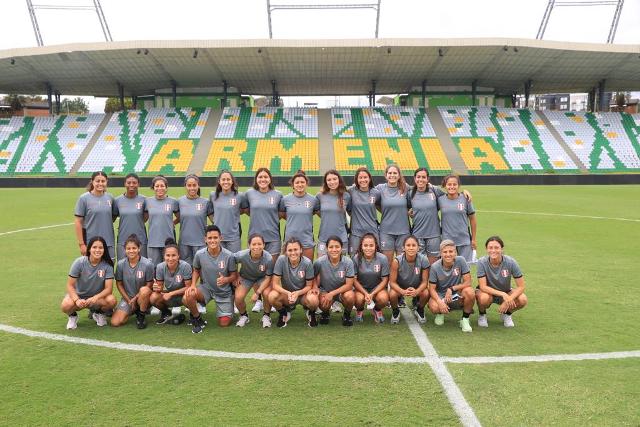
[602,141]
[139,141]
[504,140]
[44,145]
[282,139]
[376,137]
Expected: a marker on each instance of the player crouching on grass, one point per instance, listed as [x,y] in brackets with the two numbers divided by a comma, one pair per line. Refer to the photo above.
[291,284]
[215,266]
[408,278]
[334,279]
[372,278]
[90,284]
[450,286]
[134,279]
[495,271]
[173,277]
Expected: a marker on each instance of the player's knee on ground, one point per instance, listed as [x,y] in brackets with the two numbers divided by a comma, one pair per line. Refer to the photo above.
[224,321]
[119,318]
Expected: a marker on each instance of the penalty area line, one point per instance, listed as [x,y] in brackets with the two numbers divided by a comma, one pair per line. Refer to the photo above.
[212,353]
[35,228]
[563,215]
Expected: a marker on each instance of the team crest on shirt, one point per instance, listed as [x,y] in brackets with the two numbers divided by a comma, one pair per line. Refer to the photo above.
[456,271]
[261,267]
[460,207]
[100,273]
[178,278]
[372,199]
[504,273]
[432,196]
[341,274]
[109,203]
[301,274]
[198,206]
[221,264]
[233,201]
[167,207]
[416,270]
[139,274]
[376,268]
[272,200]
[139,205]
[307,204]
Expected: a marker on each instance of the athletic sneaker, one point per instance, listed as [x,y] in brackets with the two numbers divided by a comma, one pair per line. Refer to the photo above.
[155,311]
[283,319]
[359,316]
[165,315]
[482,321]
[401,302]
[395,319]
[257,307]
[266,321]
[140,323]
[178,319]
[336,307]
[507,321]
[242,321]
[346,320]
[311,317]
[324,318]
[465,325]
[100,318]
[420,314]
[439,319]
[378,316]
[72,322]
[197,325]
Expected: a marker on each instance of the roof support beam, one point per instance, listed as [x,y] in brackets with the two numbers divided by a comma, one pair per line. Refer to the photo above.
[601,97]
[527,92]
[474,92]
[49,95]
[423,93]
[121,95]
[174,93]
[57,98]
[225,90]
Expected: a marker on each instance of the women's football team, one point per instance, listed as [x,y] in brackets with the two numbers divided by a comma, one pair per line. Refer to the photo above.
[420,249]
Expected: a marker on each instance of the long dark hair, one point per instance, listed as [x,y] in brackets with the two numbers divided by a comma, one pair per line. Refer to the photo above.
[170,243]
[342,188]
[299,174]
[234,184]
[105,255]
[366,236]
[89,186]
[355,177]
[415,186]
[255,178]
[402,183]
[194,177]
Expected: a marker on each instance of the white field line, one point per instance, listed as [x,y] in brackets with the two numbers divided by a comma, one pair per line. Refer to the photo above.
[34,228]
[563,215]
[454,394]
[212,353]
[543,357]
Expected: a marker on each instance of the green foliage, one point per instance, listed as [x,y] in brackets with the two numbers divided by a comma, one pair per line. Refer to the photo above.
[113,104]
[74,106]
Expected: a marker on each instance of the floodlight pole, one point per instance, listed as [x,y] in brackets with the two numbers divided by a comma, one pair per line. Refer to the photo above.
[579,3]
[34,22]
[272,7]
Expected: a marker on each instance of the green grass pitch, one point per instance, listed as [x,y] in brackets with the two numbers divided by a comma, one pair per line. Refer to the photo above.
[580,263]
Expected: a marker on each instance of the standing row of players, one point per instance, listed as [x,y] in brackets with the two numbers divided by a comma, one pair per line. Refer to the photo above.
[367,280]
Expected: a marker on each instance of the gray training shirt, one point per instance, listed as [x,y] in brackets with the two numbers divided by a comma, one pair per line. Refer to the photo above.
[364,215]
[211,267]
[333,218]
[97,214]
[445,278]
[455,219]
[193,220]
[395,210]
[254,270]
[332,277]
[370,273]
[426,223]
[410,273]
[89,279]
[226,213]
[264,212]
[131,213]
[134,278]
[499,277]
[173,281]
[160,220]
[299,212]
[293,278]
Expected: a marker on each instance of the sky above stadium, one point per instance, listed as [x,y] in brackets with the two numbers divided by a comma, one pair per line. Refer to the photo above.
[247,19]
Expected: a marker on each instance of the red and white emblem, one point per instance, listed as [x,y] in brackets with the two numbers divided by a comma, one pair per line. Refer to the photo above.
[376,268]
[233,201]
[198,206]
[272,200]
[261,267]
[505,273]
[460,207]
[100,273]
[372,199]
[109,203]
[341,274]
[139,205]
[301,274]
[416,270]
[307,204]
[221,264]
[167,207]
[178,278]
[456,271]
[139,274]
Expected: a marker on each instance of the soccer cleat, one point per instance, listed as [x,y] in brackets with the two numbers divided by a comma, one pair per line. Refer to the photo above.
[439,319]
[336,307]
[178,319]
[140,322]
[100,318]
[257,307]
[324,318]
[242,321]
[197,325]
[395,319]
[378,316]
[312,319]
[266,321]
[359,316]
[165,315]
[507,321]
[482,321]
[72,322]
[420,315]
[346,320]
[465,325]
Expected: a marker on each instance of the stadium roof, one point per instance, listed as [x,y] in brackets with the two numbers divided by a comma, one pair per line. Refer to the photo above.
[319,67]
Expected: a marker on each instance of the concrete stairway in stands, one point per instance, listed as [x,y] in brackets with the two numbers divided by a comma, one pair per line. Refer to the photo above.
[449,148]
[206,141]
[561,142]
[325,141]
[92,142]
